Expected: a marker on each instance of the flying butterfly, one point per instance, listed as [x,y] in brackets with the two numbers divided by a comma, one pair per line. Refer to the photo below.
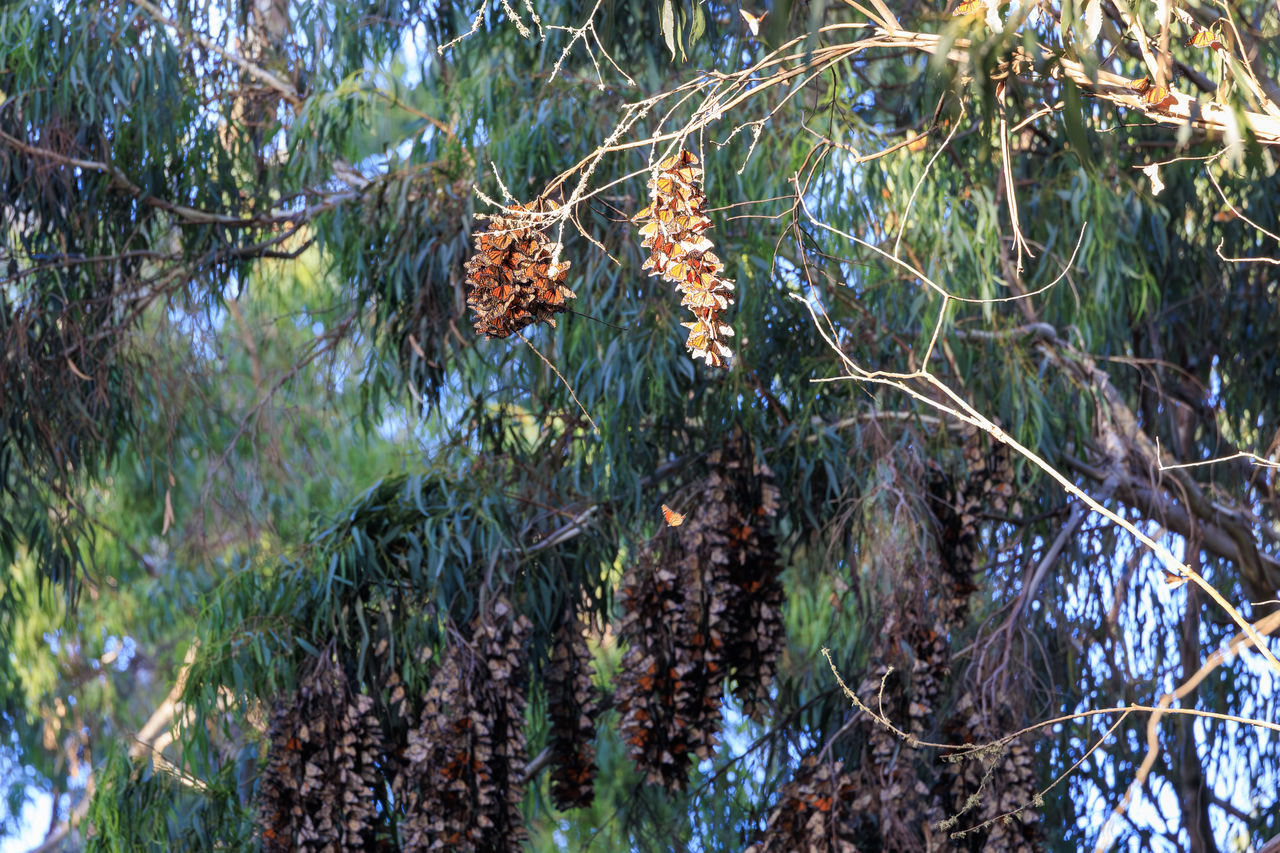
[753,21]
[673,518]
[969,7]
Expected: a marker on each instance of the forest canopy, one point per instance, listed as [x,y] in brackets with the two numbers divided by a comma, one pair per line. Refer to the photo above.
[640,425]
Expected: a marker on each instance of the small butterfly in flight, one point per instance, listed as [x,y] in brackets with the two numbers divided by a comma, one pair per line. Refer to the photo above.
[674,519]
[753,21]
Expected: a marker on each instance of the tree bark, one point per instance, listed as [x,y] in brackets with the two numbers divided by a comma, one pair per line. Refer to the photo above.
[1193,796]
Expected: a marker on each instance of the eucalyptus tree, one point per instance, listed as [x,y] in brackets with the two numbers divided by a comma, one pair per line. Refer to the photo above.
[965,513]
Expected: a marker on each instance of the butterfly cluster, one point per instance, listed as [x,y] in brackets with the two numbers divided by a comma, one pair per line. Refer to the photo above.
[461,780]
[325,755]
[816,810]
[511,280]
[702,609]
[572,708]
[673,228]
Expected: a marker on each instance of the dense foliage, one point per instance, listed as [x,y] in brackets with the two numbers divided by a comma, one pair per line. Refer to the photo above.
[294,557]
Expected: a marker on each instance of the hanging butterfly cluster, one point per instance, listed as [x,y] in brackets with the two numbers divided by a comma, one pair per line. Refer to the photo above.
[462,783]
[572,706]
[703,610]
[511,281]
[673,227]
[816,812]
[326,749]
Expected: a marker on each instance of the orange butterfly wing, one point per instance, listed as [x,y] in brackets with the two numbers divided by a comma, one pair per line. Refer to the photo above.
[1205,38]
[672,517]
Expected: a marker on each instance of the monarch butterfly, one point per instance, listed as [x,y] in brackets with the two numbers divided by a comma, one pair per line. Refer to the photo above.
[753,21]
[714,352]
[693,222]
[701,340]
[1153,95]
[696,267]
[680,158]
[702,327]
[498,239]
[645,213]
[703,282]
[679,271]
[552,296]
[665,185]
[969,7]
[652,231]
[673,518]
[699,246]
[698,336]
[1206,38]
[685,174]
[1159,97]
[650,228]
[705,299]
[658,262]
[708,260]
[687,277]
[500,275]
[494,254]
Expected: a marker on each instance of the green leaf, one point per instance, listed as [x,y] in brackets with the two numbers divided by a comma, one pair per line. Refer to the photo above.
[699,26]
[1073,118]
[669,26]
